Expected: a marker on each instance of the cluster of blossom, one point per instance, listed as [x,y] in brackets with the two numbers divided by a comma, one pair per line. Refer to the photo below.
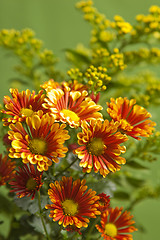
[114,60]
[38,136]
[151,87]
[150,23]
[94,79]
[151,55]
[102,26]
[31,54]
[105,33]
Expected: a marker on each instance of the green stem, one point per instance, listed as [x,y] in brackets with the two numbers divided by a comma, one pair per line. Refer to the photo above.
[42,220]
[92,227]
[64,170]
[99,237]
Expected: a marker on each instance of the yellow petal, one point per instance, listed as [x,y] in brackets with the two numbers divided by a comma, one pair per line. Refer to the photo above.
[36,121]
[17,144]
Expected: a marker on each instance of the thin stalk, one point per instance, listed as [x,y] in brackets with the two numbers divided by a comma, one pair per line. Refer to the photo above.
[99,237]
[92,227]
[64,170]
[42,220]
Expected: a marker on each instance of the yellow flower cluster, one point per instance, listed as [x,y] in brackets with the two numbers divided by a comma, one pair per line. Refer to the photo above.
[121,26]
[99,21]
[100,53]
[103,36]
[149,23]
[92,15]
[13,38]
[149,94]
[113,61]
[152,55]
[153,91]
[94,78]
[75,74]
[32,56]
[117,60]
[97,78]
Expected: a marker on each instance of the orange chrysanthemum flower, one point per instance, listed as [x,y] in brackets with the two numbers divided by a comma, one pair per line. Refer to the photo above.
[133,119]
[7,170]
[40,143]
[104,202]
[101,147]
[72,204]
[27,181]
[116,225]
[22,105]
[71,107]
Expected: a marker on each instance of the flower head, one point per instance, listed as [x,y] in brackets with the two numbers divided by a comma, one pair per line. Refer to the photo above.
[41,142]
[70,106]
[72,204]
[27,181]
[104,202]
[7,170]
[116,225]
[100,147]
[22,105]
[133,119]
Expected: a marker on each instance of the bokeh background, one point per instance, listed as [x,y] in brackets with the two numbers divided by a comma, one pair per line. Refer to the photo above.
[60,25]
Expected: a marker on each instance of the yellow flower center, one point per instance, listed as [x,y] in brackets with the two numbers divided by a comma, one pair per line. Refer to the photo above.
[31,184]
[96,146]
[101,203]
[110,230]
[70,207]
[37,146]
[26,112]
[72,115]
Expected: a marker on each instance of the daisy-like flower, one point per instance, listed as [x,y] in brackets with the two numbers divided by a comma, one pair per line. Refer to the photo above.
[27,181]
[100,147]
[41,142]
[7,170]
[23,104]
[72,204]
[104,202]
[133,119]
[116,225]
[71,107]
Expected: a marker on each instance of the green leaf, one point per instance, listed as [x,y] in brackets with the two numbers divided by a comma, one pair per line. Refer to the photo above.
[23,203]
[78,56]
[135,182]
[121,195]
[29,237]
[136,165]
[5,227]
[27,204]
[37,225]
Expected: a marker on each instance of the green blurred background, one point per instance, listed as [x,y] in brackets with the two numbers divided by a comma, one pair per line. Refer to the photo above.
[59,25]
